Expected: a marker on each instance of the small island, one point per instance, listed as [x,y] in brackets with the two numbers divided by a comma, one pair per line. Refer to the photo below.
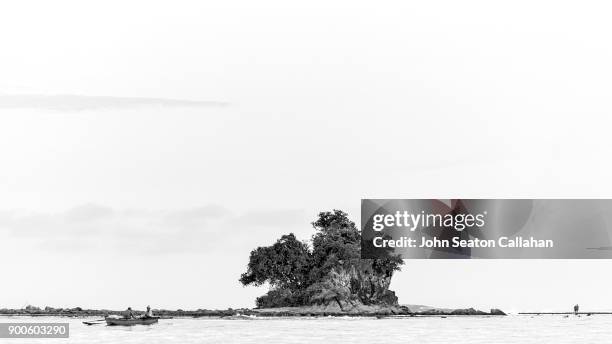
[329,277]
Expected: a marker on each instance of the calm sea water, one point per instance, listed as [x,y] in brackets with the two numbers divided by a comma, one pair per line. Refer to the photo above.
[510,329]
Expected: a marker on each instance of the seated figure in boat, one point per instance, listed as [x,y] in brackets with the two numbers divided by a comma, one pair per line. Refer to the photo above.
[129,314]
[149,313]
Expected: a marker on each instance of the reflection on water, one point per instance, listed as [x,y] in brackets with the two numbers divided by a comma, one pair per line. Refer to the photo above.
[510,329]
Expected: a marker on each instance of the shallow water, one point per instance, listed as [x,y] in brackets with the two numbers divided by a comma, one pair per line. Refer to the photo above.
[510,329]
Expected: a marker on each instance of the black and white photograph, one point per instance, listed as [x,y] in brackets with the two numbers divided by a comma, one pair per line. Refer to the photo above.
[305,171]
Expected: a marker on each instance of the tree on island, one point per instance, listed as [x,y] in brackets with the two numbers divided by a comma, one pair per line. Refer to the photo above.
[331,271]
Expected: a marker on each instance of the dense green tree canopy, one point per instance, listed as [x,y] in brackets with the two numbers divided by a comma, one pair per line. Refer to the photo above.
[283,265]
[331,269]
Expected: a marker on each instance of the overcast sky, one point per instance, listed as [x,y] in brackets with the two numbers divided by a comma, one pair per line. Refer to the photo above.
[147,147]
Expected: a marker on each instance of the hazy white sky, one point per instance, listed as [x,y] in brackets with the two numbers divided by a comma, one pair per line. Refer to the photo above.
[156,143]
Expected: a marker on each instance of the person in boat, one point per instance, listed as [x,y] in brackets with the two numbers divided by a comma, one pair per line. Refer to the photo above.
[129,314]
[576,309]
[149,313]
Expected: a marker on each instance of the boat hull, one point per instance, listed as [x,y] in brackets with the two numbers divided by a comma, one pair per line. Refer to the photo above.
[131,322]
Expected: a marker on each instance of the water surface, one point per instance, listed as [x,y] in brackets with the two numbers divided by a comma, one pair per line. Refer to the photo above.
[510,329]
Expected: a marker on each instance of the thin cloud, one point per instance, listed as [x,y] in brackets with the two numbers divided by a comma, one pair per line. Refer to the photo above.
[97,227]
[77,103]
[273,218]
[88,212]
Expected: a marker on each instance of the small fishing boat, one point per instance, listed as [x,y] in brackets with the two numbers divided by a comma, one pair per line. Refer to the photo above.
[116,321]
[94,322]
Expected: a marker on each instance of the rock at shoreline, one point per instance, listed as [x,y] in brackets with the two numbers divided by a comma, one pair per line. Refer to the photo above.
[332,309]
[495,311]
[459,311]
[366,310]
[468,311]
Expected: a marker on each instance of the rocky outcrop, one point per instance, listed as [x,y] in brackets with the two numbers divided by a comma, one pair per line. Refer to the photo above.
[352,286]
[459,311]
[332,309]
[348,286]
[467,311]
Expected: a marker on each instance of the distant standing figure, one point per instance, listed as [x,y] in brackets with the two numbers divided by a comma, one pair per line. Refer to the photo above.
[576,308]
[129,314]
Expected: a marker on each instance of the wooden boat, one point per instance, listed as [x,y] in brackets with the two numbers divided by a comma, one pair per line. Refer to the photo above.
[94,322]
[113,321]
